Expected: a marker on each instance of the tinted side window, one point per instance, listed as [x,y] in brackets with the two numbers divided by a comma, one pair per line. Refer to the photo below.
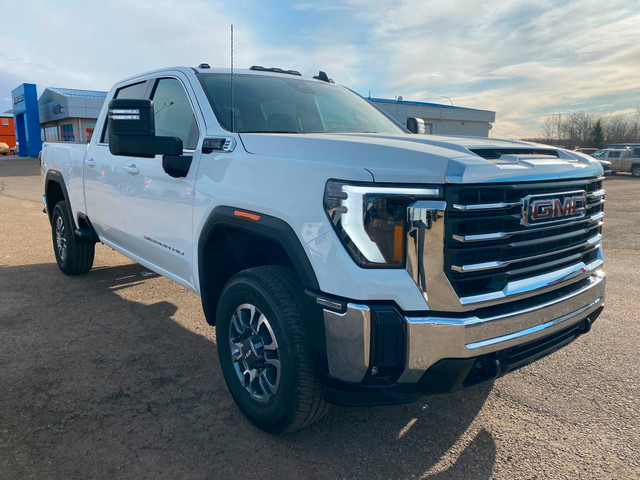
[137,90]
[173,113]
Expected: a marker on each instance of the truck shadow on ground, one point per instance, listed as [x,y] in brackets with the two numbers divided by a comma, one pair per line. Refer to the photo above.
[102,386]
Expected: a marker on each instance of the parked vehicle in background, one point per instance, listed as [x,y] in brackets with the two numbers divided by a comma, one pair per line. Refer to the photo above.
[14,150]
[587,150]
[634,147]
[606,166]
[4,148]
[622,160]
[340,258]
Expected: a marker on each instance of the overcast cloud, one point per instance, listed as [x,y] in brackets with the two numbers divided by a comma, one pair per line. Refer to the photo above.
[523,59]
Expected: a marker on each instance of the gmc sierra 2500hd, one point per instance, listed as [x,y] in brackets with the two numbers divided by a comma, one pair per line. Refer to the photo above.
[340,258]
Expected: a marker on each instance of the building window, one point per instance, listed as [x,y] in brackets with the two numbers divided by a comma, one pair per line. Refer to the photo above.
[67,132]
[49,134]
[88,129]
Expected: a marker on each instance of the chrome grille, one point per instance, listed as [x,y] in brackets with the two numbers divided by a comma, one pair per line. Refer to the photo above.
[487,246]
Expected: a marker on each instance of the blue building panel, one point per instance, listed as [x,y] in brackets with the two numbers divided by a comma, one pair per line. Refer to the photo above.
[27,119]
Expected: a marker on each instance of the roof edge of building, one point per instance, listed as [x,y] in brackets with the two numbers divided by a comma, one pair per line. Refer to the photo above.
[425,104]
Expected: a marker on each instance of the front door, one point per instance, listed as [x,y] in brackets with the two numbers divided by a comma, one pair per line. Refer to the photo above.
[159,208]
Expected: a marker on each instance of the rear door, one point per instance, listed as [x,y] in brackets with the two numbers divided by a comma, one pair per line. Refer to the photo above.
[625,161]
[104,177]
[159,208]
[616,161]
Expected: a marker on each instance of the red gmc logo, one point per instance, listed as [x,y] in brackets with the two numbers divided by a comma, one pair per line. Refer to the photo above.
[559,208]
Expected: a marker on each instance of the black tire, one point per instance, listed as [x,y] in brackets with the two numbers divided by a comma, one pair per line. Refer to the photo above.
[635,170]
[297,399]
[73,257]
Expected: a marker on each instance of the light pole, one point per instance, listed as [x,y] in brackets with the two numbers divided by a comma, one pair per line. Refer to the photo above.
[448,99]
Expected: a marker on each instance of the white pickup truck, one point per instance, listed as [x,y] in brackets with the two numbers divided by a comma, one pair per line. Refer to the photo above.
[340,258]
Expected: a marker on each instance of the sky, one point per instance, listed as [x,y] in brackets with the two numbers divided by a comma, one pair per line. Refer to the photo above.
[523,59]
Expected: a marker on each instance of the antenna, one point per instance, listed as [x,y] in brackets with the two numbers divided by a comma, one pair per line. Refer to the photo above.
[232,112]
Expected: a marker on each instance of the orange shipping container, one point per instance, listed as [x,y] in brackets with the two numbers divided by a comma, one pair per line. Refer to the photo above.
[7,131]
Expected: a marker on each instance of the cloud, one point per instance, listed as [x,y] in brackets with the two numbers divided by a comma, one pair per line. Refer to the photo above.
[319,7]
[521,59]
[626,111]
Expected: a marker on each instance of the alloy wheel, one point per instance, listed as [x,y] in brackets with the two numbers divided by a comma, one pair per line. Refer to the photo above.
[61,239]
[254,352]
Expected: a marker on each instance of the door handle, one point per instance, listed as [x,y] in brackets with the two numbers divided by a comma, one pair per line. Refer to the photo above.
[132,169]
[90,162]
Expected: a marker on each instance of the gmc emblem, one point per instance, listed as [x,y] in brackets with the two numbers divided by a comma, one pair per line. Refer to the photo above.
[554,207]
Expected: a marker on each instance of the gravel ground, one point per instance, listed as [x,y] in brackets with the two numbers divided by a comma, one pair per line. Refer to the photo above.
[115,375]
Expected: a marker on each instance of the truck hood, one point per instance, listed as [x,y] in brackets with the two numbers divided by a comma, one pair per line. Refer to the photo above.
[408,158]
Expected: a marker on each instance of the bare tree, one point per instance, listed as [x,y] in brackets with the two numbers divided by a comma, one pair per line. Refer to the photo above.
[618,129]
[552,127]
[577,129]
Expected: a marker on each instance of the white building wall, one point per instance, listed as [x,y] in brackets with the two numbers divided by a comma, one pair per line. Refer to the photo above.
[471,129]
[442,120]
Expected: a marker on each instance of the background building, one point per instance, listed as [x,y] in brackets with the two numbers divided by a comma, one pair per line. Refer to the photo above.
[440,119]
[59,115]
[7,130]
[69,115]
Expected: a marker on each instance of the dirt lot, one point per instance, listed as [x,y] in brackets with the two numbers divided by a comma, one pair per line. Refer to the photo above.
[115,375]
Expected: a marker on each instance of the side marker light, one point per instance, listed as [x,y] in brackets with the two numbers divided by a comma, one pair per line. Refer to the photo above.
[247,215]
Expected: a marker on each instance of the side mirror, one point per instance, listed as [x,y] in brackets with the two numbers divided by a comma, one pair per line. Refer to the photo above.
[132,130]
[416,125]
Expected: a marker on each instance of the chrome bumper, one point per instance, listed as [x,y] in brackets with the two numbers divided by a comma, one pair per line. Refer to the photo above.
[433,338]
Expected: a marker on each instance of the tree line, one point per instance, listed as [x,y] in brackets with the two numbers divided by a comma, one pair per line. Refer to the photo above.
[580,129]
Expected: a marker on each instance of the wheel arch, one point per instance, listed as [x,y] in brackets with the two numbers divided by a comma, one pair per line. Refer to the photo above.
[230,243]
[56,191]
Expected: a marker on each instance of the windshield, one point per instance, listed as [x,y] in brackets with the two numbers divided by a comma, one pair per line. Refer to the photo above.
[291,105]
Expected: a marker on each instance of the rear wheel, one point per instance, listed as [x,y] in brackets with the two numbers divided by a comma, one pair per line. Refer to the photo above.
[635,170]
[73,257]
[264,350]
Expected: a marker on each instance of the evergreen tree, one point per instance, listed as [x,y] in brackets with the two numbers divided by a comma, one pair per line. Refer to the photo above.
[597,135]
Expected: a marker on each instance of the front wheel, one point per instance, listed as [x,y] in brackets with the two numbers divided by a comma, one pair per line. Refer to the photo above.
[264,350]
[635,170]
[73,257]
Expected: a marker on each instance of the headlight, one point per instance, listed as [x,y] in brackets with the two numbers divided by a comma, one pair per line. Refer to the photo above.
[371,220]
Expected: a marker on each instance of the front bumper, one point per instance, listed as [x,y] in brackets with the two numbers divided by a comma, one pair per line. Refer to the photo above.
[377,355]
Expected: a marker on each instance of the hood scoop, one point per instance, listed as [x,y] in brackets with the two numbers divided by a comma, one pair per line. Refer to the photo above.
[498,153]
